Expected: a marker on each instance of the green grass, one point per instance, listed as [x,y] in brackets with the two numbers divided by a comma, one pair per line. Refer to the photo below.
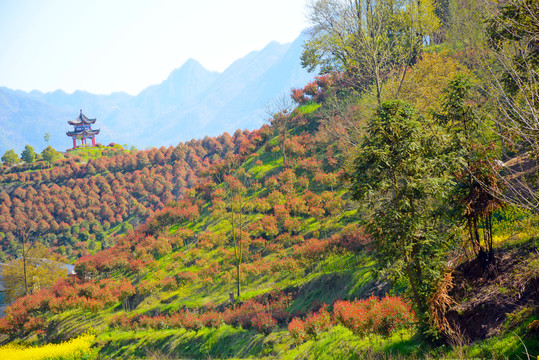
[307,108]
[223,342]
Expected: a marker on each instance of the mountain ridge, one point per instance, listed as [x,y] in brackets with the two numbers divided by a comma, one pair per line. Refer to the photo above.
[191,102]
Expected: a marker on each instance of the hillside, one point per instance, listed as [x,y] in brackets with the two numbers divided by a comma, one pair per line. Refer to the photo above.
[190,104]
[170,286]
[79,201]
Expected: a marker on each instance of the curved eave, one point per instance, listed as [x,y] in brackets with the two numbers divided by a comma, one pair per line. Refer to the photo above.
[81,122]
[83,133]
[85,120]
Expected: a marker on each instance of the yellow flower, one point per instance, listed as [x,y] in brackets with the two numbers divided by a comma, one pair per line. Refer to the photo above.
[72,349]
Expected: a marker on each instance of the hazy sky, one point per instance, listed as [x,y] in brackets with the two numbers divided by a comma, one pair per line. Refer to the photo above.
[103,46]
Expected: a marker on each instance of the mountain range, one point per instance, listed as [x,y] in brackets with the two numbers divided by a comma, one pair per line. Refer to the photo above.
[191,103]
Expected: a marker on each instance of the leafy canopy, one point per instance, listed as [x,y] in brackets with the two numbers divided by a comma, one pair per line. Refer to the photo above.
[28,155]
[402,175]
[10,157]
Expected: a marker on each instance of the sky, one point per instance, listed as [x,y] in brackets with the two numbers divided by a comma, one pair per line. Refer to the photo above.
[105,46]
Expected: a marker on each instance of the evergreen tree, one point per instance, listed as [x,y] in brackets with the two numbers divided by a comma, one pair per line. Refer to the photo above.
[401,173]
[28,155]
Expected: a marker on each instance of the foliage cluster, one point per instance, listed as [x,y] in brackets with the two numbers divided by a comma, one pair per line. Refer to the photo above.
[363,317]
[253,314]
[25,315]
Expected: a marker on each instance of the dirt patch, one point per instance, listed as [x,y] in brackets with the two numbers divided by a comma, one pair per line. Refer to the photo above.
[485,297]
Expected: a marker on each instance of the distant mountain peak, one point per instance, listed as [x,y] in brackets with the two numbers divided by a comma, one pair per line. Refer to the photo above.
[191,62]
[190,68]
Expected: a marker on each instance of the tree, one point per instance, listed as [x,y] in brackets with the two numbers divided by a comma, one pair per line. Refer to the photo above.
[142,160]
[38,269]
[47,137]
[238,207]
[10,157]
[401,173]
[475,178]
[281,118]
[368,39]
[513,82]
[28,155]
[25,226]
[50,155]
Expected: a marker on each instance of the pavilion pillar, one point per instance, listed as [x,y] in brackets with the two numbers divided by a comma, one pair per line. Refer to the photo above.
[74,143]
[93,141]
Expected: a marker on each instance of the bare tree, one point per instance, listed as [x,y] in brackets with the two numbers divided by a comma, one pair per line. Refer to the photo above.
[280,111]
[238,209]
[27,225]
[512,60]
[370,39]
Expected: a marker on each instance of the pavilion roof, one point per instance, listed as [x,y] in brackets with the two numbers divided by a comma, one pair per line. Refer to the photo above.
[81,120]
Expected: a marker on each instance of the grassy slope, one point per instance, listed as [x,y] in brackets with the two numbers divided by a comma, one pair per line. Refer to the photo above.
[340,276]
[513,340]
[335,277]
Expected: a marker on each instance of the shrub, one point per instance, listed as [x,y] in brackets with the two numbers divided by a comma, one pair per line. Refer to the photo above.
[262,317]
[211,319]
[313,325]
[317,323]
[392,313]
[263,322]
[190,320]
[354,315]
[296,329]
[374,316]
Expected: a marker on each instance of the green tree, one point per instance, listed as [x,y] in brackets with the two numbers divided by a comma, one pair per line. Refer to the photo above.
[476,178]
[47,138]
[369,39]
[50,155]
[401,174]
[28,155]
[465,25]
[10,157]
[125,227]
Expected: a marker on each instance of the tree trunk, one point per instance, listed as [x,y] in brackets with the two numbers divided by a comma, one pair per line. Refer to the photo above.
[24,268]
[413,285]
[283,151]
[238,279]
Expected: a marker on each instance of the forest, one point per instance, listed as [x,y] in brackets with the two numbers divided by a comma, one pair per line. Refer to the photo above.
[387,210]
